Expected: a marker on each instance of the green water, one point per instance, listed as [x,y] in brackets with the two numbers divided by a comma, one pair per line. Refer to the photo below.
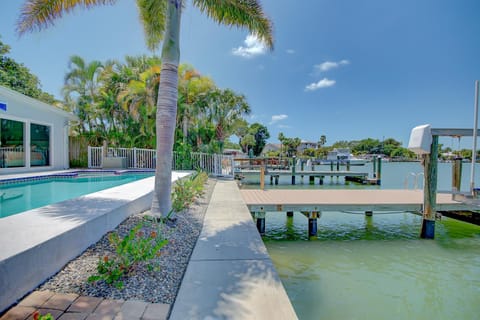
[377,267]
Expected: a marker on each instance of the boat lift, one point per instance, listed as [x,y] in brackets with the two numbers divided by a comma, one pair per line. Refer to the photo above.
[424,142]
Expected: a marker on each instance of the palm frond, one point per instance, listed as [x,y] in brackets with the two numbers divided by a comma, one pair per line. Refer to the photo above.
[36,15]
[153,17]
[240,13]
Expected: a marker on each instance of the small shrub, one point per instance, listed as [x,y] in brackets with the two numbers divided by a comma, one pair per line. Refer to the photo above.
[187,190]
[135,248]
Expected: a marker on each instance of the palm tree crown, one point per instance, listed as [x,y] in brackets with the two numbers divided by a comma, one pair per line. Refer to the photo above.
[161,23]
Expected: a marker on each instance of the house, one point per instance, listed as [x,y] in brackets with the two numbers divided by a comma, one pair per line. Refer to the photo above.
[33,134]
[307,145]
[270,147]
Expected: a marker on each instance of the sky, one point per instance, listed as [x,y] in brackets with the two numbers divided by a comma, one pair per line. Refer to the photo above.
[346,69]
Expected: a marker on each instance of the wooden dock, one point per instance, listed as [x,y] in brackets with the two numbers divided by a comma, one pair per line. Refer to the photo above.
[343,200]
[274,175]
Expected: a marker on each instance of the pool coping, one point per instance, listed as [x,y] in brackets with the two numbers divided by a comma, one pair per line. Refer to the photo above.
[39,242]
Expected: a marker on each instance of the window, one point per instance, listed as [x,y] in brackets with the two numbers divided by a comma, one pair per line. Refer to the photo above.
[12,139]
[39,145]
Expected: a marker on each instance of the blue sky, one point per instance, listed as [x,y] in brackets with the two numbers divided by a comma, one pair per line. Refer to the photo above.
[347,69]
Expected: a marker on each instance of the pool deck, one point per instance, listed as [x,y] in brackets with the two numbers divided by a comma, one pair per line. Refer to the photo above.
[37,243]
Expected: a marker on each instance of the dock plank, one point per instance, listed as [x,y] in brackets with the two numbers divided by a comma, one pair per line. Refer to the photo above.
[379,200]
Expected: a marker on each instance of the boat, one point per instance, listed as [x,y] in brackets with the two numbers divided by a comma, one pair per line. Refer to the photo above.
[343,156]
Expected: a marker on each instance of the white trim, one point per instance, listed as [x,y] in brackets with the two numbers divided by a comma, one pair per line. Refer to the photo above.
[6,92]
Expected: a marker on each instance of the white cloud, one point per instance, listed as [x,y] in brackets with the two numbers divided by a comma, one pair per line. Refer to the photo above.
[283,126]
[253,47]
[324,83]
[278,117]
[328,65]
[290,51]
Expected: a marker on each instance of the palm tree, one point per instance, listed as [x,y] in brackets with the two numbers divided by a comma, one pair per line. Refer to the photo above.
[322,140]
[225,108]
[281,138]
[81,87]
[161,21]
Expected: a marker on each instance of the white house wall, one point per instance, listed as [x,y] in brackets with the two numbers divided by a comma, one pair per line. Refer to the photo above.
[27,110]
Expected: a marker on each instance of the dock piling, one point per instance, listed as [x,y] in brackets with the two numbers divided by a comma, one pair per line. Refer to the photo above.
[457,174]
[429,191]
[293,171]
[379,170]
[262,178]
[260,216]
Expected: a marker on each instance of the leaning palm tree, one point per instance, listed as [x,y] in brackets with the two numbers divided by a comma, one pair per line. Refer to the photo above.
[161,21]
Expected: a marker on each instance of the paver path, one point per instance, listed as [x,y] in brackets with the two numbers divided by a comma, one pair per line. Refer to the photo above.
[73,307]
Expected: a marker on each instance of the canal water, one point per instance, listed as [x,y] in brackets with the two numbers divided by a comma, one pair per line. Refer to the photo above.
[377,267]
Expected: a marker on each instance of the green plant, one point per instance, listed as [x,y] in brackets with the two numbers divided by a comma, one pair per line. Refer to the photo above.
[187,190]
[136,247]
[38,316]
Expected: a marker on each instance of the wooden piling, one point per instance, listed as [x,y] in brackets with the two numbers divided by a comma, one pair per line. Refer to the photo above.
[293,171]
[262,178]
[457,174]
[430,191]
[260,216]
[312,222]
[379,170]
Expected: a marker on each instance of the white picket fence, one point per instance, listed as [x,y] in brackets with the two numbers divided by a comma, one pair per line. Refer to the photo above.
[136,158]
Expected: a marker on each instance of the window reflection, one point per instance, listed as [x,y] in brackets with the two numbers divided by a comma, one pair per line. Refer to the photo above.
[39,145]
[11,144]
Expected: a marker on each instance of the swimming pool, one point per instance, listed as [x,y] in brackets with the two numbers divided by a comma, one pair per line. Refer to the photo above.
[19,195]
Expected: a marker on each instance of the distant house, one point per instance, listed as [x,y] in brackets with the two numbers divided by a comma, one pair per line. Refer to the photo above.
[234,152]
[307,145]
[33,134]
[270,147]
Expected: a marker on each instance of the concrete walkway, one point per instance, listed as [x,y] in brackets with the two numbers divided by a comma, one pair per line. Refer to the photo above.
[230,275]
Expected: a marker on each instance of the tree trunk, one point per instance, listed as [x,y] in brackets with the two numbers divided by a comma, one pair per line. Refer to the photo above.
[167,111]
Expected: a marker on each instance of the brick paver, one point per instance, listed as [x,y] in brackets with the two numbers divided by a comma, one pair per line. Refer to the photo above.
[60,301]
[85,304]
[109,307]
[36,299]
[18,312]
[156,311]
[73,307]
[74,316]
[132,309]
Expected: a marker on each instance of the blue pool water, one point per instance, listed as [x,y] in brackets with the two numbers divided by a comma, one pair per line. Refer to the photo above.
[22,196]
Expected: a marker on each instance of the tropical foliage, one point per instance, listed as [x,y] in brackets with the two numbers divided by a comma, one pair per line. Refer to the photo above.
[19,78]
[161,21]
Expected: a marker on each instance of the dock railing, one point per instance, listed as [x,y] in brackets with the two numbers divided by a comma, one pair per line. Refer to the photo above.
[269,163]
[137,158]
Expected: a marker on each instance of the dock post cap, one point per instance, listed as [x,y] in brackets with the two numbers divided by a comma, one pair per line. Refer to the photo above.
[420,139]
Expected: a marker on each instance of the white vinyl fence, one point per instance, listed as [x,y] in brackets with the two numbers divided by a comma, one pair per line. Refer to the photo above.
[135,158]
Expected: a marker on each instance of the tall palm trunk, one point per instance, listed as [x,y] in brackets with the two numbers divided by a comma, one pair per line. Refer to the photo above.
[167,111]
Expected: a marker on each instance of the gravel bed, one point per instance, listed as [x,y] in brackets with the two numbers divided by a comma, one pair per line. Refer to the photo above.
[159,285]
